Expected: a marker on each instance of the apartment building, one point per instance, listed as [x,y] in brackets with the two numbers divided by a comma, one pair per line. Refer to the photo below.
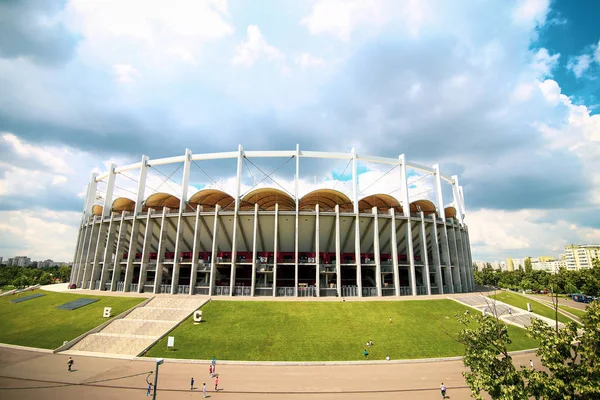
[578,257]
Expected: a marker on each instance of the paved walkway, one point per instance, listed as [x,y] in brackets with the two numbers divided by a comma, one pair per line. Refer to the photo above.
[505,312]
[32,375]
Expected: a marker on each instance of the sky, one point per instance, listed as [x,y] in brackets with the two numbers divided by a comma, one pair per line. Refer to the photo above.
[504,94]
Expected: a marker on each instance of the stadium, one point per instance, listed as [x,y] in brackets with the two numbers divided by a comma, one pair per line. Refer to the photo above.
[269,241]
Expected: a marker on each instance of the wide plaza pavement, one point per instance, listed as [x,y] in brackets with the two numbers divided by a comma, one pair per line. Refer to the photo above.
[41,375]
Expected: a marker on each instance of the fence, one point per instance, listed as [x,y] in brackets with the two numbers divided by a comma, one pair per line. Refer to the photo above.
[405,291]
[242,291]
[369,292]
[286,291]
[309,291]
[349,291]
[202,290]
[447,289]
[328,292]
[183,289]
[263,291]
[457,288]
[388,291]
[221,291]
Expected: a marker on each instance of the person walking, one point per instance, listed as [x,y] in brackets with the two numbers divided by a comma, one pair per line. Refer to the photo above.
[148,393]
[192,384]
[204,390]
[217,384]
[70,363]
[210,370]
[531,363]
[443,390]
[214,364]
[366,353]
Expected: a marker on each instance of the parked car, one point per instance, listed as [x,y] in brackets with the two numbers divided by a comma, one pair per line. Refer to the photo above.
[582,298]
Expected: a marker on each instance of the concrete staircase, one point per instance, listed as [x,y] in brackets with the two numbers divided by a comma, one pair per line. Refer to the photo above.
[142,327]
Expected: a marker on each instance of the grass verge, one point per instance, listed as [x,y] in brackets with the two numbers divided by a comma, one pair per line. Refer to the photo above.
[37,322]
[519,301]
[323,331]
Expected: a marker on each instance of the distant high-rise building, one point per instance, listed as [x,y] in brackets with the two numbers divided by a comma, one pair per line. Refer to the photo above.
[580,256]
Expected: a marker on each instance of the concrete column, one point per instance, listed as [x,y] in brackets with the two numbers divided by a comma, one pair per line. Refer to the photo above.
[78,246]
[275,248]
[110,187]
[90,253]
[457,199]
[81,255]
[296,226]
[236,219]
[461,259]
[180,223]
[195,248]
[357,244]
[424,254]
[99,251]
[108,251]
[90,197]
[317,249]
[454,256]
[254,250]
[119,253]
[162,245]
[377,251]
[435,248]
[146,251]
[214,250]
[440,209]
[394,245]
[406,209]
[338,267]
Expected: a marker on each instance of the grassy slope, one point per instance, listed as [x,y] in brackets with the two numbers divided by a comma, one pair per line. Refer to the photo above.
[519,301]
[322,331]
[575,311]
[37,322]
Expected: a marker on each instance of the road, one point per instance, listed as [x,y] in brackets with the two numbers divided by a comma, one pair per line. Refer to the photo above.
[32,375]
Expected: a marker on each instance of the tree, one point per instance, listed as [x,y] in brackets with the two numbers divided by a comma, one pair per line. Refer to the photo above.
[573,361]
[486,355]
[45,279]
[64,273]
[528,266]
[571,356]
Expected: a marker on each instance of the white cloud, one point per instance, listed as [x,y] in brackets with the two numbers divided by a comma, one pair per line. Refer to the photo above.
[146,30]
[543,63]
[340,17]
[126,73]
[307,60]
[579,64]
[254,47]
[531,12]
[39,234]
[59,180]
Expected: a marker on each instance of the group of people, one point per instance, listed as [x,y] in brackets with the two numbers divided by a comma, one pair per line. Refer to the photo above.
[212,373]
[369,344]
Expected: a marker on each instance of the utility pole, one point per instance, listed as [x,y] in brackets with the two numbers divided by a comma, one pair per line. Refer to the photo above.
[159,361]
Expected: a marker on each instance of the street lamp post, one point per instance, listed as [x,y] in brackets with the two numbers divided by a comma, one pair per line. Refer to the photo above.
[159,361]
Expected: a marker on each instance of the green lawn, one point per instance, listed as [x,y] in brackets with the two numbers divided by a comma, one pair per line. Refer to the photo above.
[519,301]
[322,331]
[37,322]
[575,311]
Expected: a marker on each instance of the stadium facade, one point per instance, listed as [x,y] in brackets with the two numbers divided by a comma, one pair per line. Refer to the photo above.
[271,243]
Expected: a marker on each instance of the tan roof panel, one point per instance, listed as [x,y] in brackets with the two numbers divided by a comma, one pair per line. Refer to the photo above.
[383,202]
[450,212]
[97,210]
[422,205]
[159,201]
[327,199]
[210,198]
[123,204]
[266,198]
